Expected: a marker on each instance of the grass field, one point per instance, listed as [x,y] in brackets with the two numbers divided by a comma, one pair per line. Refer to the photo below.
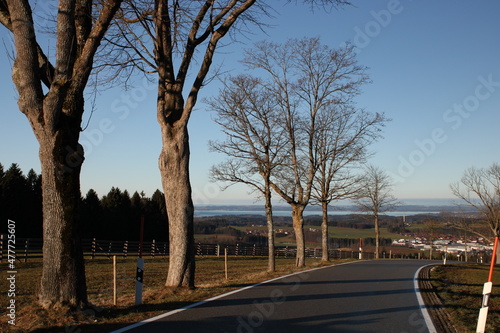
[460,288]
[340,232]
[335,232]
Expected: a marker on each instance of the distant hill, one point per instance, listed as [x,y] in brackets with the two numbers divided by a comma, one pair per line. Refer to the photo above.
[227,209]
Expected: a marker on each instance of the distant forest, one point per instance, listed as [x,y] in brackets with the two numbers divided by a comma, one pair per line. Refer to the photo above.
[115,216]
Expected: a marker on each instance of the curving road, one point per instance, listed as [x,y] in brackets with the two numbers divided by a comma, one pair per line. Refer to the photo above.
[365,296]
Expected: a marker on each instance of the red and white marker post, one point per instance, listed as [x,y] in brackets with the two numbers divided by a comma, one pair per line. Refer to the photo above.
[483,312]
[140,268]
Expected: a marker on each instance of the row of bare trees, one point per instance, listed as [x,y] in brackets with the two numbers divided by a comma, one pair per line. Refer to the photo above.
[173,40]
[292,128]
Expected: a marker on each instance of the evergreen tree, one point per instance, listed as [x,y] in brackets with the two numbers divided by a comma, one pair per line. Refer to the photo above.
[136,201]
[156,218]
[34,203]
[137,209]
[15,194]
[2,175]
[117,206]
[21,201]
[91,215]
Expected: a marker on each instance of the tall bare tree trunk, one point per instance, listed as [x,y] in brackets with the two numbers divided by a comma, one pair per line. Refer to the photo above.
[61,157]
[63,273]
[174,168]
[298,228]
[377,237]
[324,232]
[55,114]
[271,264]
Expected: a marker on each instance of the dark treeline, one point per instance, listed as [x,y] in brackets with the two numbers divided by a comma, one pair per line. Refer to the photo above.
[21,201]
[115,216]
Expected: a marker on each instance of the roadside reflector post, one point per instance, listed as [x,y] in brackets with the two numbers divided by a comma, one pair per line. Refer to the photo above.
[225,262]
[140,268]
[361,248]
[483,312]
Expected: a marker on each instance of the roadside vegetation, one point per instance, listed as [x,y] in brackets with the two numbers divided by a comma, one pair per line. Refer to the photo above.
[460,289]
[157,299]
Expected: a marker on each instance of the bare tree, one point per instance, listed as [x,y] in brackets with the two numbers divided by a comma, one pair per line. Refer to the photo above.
[342,146]
[185,35]
[480,188]
[163,37]
[375,197]
[55,114]
[254,143]
[306,79]
[431,227]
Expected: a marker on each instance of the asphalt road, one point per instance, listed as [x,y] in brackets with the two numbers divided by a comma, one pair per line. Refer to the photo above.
[365,296]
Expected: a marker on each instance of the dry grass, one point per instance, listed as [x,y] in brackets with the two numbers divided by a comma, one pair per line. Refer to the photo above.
[460,288]
[157,299]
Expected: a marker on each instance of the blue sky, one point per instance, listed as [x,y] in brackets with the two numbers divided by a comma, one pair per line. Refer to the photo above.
[435,72]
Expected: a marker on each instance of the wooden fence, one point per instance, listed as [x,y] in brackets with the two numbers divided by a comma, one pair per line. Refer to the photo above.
[31,248]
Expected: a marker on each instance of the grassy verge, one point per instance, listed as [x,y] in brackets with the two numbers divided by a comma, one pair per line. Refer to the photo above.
[156,298]
[460,288]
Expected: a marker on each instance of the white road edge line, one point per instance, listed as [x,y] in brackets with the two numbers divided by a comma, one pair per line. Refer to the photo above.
[423,307]
[170,313]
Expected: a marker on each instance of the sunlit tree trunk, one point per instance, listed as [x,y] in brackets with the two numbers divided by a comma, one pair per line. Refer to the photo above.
[271,264]
[377,237]
[324,232]
[174,169]
[55,114]
[173,163]
[298,228]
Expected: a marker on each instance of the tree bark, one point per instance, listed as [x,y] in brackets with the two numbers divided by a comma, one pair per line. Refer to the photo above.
[174,168]
[298,227]
[377,238]
[55,116]
[271,264]
[63,273]
[324,232]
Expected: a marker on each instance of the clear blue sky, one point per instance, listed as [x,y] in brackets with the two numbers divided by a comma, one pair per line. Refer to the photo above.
[435,67]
